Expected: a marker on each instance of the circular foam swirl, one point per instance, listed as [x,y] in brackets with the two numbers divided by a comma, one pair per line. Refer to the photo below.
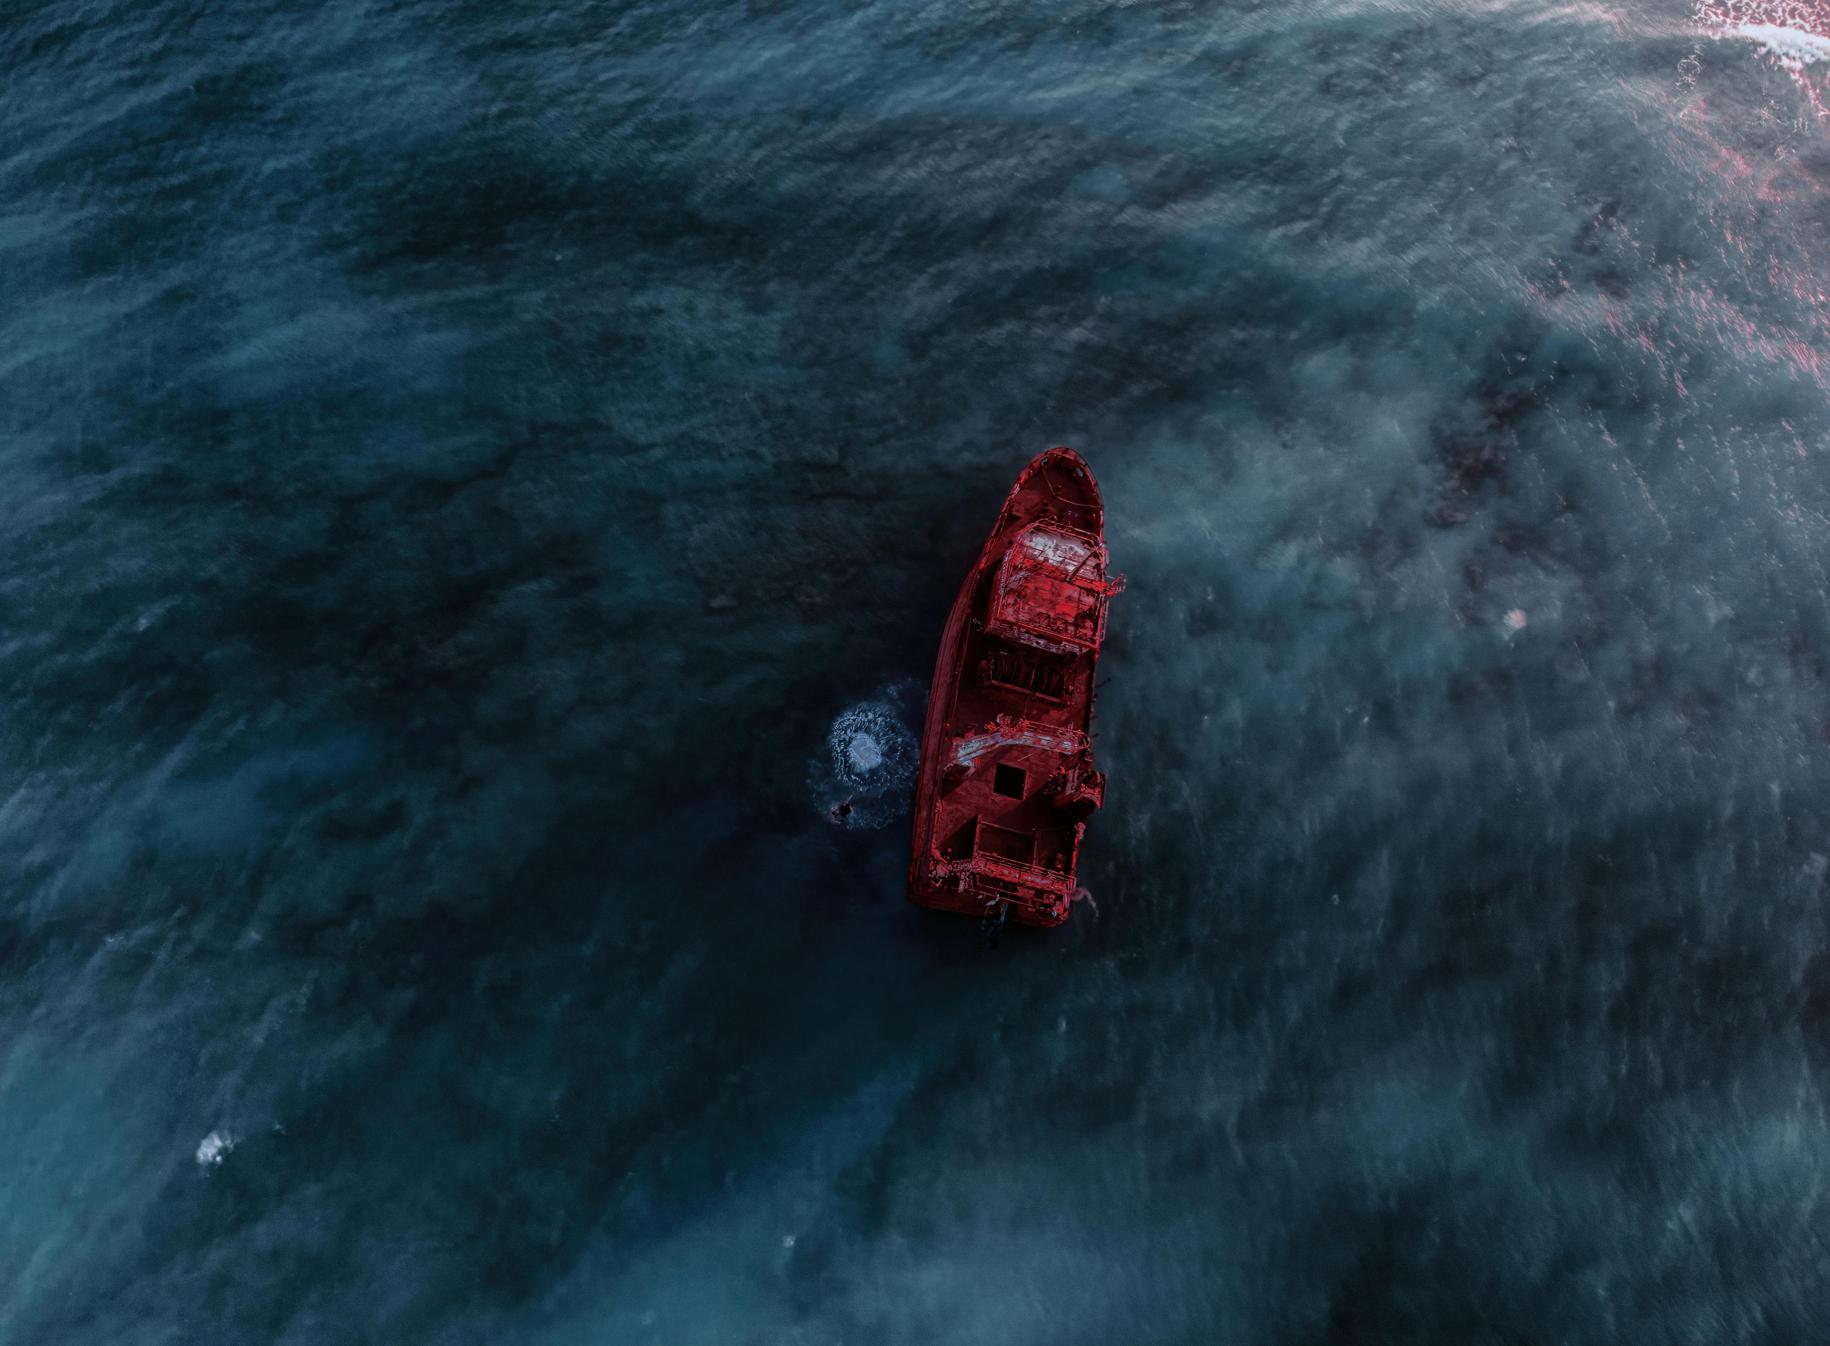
[871,758]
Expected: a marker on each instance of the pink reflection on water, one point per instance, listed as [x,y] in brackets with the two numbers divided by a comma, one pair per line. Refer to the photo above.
[1768,209]
[1794,33]
[1757,286]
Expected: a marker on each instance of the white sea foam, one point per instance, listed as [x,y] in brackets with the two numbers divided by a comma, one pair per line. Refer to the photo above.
[865,752]
[870,761]
[870,745]
[1788,44]
[213,1148]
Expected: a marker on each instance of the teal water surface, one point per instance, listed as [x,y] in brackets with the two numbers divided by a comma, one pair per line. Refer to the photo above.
[474,471]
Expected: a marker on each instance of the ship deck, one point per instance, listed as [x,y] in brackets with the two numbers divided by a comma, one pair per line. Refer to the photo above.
[1011,711]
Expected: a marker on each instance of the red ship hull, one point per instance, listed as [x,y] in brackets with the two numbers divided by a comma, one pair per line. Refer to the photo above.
[1007,778]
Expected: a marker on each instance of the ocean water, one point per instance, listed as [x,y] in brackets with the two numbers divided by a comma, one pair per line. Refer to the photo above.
[480,481]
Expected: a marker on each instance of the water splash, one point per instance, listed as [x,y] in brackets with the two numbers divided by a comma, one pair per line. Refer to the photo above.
[214,1148]
[864,752]
[868,772]
[1795,33]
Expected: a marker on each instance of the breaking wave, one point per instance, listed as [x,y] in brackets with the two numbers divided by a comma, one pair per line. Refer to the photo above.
[1795,33]
[868,772]
[1788,44]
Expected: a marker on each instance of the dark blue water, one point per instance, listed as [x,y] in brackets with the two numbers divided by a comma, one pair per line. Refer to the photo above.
[461,462]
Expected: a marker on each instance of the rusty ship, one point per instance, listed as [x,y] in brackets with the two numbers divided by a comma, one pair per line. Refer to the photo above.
[1007,779]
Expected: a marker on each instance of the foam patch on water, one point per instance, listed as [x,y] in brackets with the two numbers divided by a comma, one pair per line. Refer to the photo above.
[868,771]
[214,1148]
[1789,44]
[1795,33]
[864,752]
